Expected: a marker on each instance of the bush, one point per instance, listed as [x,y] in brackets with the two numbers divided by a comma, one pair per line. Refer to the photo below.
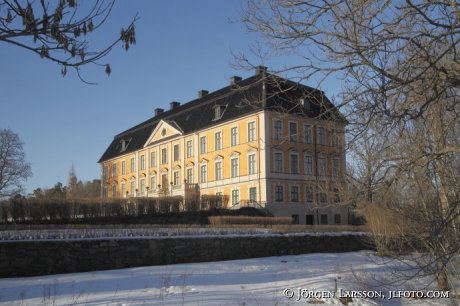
[243,220]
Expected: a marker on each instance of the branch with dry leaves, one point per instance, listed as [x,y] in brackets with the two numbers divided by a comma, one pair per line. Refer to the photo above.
[59,32]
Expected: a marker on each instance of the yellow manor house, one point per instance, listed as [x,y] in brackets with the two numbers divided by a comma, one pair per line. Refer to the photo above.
[264,142]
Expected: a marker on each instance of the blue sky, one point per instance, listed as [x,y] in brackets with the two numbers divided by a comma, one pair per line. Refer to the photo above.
[182,47]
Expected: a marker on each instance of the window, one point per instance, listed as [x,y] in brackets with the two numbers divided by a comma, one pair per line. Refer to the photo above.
[293,131]
[133,165]
[204,174]
[203,145]
[334,139]
[234,136]
[190,175]
[322,165]
[189,148]
[106,172]
[142,185]
[279,193]
[217,112]
[309,194]
[142,162]
[123,189]
[234,163]
[308,164]
[176,178]
[309,219]
[322,197]
[323,219]
[163,156]
[164,181]
[295,219]
[218,171]
[114,170]
[294,164]
[335,166]
[307,133]
[294,194]
[218,141]
[105,193]
[133,187]
[251,131]
[278,162]
[321,136]
[114,191]
[336,196]
[235,196]
[219,199]
[153,183]
[277,130]
[176,152]
[253,194]
[153,159]
[252,164]
[305,103]
[337,218]
[123,168]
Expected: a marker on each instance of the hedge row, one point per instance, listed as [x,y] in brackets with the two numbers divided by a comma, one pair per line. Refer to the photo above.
[37,210]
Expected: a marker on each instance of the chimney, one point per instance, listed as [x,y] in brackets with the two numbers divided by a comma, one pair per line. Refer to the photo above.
[174,104]
[202,93]
[234,80]
[158,111]
[260,70]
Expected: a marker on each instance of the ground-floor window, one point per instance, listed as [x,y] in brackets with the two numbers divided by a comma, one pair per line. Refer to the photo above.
[235,196]
[337,218]
[279,193]
[323,219]
[309,219]
[253,194]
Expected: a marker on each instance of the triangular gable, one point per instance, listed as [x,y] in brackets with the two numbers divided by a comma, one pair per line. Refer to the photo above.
[280,148]
[218,157]
[153,172]
[204,161]
[164,130]
[308,152]
[190,164]
[251,149]
[234,154]
[293,149]
[176,167]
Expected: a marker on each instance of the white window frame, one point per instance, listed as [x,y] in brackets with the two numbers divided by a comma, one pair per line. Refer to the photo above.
[309,194]
[203,142]
[133,187]
[295,195]
[275,162]
[153,159]
[189,148]
[293,137]
[176,178]
[176,152]
[321,135]
[123,190]
[142,162]
[335,166]
[251,131]
[291,168]
[218,141]
[279,188]
[164,156]
[153,182]
[114,190]
[252,165]
[322,167]
[105,192]
[254,193]
[190,175]
[234,166]
[235,196]
[218,170]
[114,170]
[234,136]
[203,173]
[123,167]
[142,185]
[106,172]
[133,165]
[307,134]
[309,166]
[277,131]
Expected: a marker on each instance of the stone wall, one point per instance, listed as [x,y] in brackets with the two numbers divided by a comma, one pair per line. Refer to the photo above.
[33,258]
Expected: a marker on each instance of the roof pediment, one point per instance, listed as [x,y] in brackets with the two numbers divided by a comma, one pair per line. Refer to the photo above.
[234,154]
[164,130]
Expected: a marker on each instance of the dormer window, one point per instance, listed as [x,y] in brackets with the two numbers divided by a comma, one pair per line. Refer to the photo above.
[218,111]
[305,103]
[124,144]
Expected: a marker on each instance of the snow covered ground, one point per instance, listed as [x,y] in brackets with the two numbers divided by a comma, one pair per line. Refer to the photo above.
[259,281]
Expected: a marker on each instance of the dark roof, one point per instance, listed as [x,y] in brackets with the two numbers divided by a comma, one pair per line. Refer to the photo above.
[280,95]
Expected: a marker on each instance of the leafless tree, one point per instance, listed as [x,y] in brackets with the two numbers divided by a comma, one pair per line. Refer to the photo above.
[399,66]
[58,30]
[13,165]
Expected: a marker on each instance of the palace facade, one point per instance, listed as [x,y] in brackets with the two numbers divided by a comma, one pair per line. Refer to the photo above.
[263,141]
